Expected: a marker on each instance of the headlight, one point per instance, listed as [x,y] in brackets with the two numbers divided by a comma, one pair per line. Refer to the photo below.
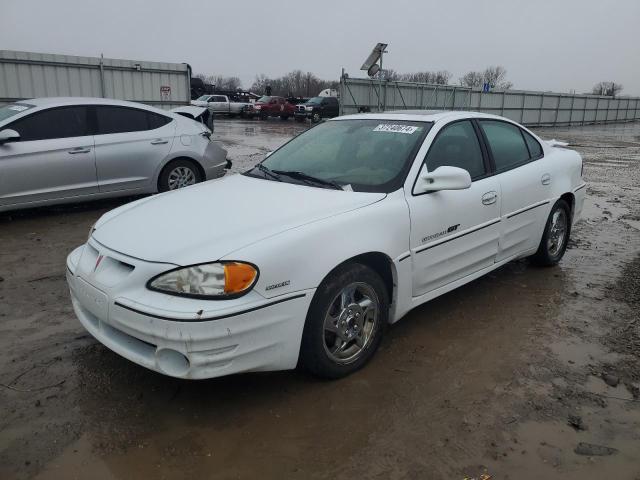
[257,107]
[208,280]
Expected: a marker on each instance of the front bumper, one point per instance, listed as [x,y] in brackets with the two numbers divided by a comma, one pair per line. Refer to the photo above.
[182,337]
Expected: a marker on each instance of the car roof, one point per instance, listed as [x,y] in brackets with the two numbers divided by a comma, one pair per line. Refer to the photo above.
[62,101]
[420,115]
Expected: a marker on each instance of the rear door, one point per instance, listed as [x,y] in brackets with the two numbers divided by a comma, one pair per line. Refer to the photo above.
[130,144]
[525,182]
[53,159]
[454,233]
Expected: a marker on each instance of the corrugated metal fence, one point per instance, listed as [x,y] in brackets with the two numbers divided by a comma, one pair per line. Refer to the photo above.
[30,75]
[526,107]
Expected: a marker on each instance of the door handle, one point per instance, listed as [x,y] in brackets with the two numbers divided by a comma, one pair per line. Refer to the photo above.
[489,198]
[79,150]
[546,179]
[159,141]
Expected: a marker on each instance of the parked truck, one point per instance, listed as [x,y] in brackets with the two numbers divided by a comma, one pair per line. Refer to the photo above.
[221,105]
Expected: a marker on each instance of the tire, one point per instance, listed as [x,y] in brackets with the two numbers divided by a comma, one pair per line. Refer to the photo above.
[316,117]
[340,336]
[177,174]
[555,237]
[284,117]
[264,116]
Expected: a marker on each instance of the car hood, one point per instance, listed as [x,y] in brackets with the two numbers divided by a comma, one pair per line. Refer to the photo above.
[210,220]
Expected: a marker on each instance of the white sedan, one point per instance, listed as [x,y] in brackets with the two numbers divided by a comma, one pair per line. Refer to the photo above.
[336,234]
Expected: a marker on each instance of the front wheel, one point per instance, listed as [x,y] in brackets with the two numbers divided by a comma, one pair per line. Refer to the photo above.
[316,117]
[345,322]
[555,237]
[178,174]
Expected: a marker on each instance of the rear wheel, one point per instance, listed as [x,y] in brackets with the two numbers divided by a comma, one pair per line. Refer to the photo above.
[345,322]
[316,117]
[555,237]
[284,117]
[178,174]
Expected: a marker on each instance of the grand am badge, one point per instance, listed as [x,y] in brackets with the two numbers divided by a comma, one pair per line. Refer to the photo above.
[449,230]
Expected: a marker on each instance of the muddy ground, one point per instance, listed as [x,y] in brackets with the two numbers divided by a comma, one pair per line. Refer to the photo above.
[516,375]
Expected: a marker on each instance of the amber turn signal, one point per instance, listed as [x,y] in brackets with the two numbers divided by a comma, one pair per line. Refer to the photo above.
[238,277]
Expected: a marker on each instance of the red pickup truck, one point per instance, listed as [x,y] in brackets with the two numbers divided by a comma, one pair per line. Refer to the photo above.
[270,106]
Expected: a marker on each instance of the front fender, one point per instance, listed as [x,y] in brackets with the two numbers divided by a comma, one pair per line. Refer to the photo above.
[300,258]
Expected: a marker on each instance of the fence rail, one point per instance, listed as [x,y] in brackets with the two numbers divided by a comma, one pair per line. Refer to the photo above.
[525,107]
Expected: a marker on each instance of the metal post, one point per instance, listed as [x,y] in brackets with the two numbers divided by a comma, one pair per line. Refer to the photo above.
[540,111]
[380,84]
[524,98]
[341,92]
[504,93]
[453,99]
[573,99]
[555,120]
[102,75]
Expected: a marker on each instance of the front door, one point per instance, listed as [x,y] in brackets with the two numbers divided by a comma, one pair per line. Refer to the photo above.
[454,233]
[53,159]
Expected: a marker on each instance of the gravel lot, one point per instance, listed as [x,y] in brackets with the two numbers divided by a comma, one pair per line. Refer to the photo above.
[526,373]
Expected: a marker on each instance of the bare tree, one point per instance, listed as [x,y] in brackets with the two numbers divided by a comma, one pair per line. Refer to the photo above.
[494,76]
[221,82]
[610,89]
[441,77]
[294,84]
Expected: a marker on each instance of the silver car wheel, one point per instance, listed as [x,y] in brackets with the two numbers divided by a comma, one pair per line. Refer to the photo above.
[350,322]
[557,232]
[181,177]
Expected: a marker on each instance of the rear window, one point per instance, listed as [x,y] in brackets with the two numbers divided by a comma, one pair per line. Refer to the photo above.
[124,119]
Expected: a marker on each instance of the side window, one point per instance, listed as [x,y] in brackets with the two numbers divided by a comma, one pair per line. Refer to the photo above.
[506,144]
[457,145]
[124,119]
[156,120]
[534,147]
[62,122]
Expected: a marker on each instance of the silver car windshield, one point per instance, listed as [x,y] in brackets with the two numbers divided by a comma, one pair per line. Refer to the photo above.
[15,108]
[368,155]
[203,98]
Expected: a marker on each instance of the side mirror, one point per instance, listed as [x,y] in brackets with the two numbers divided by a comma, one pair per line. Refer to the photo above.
[442,178]
[7,135]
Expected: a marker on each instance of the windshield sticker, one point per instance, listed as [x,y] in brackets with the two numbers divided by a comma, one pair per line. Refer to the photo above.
[387,127]
[18,108]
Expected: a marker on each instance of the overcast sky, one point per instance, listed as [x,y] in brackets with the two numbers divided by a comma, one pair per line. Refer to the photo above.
[557,45]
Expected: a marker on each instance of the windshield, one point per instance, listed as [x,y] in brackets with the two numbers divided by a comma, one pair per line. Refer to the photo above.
[13,109]
[314,101]
[264,99]
[367,155]
[203,98]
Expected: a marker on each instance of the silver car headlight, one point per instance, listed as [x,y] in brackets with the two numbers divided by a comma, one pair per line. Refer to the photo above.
[216,280]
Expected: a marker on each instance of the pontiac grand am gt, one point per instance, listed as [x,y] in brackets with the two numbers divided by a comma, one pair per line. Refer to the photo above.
[336,234]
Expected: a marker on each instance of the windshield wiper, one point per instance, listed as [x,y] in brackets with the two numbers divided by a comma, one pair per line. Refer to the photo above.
[267,171]
[308,178]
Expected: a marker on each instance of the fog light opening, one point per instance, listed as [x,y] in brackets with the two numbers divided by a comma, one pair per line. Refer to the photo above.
[172,362]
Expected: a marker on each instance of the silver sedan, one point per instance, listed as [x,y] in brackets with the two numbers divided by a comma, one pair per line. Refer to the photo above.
[58,150]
